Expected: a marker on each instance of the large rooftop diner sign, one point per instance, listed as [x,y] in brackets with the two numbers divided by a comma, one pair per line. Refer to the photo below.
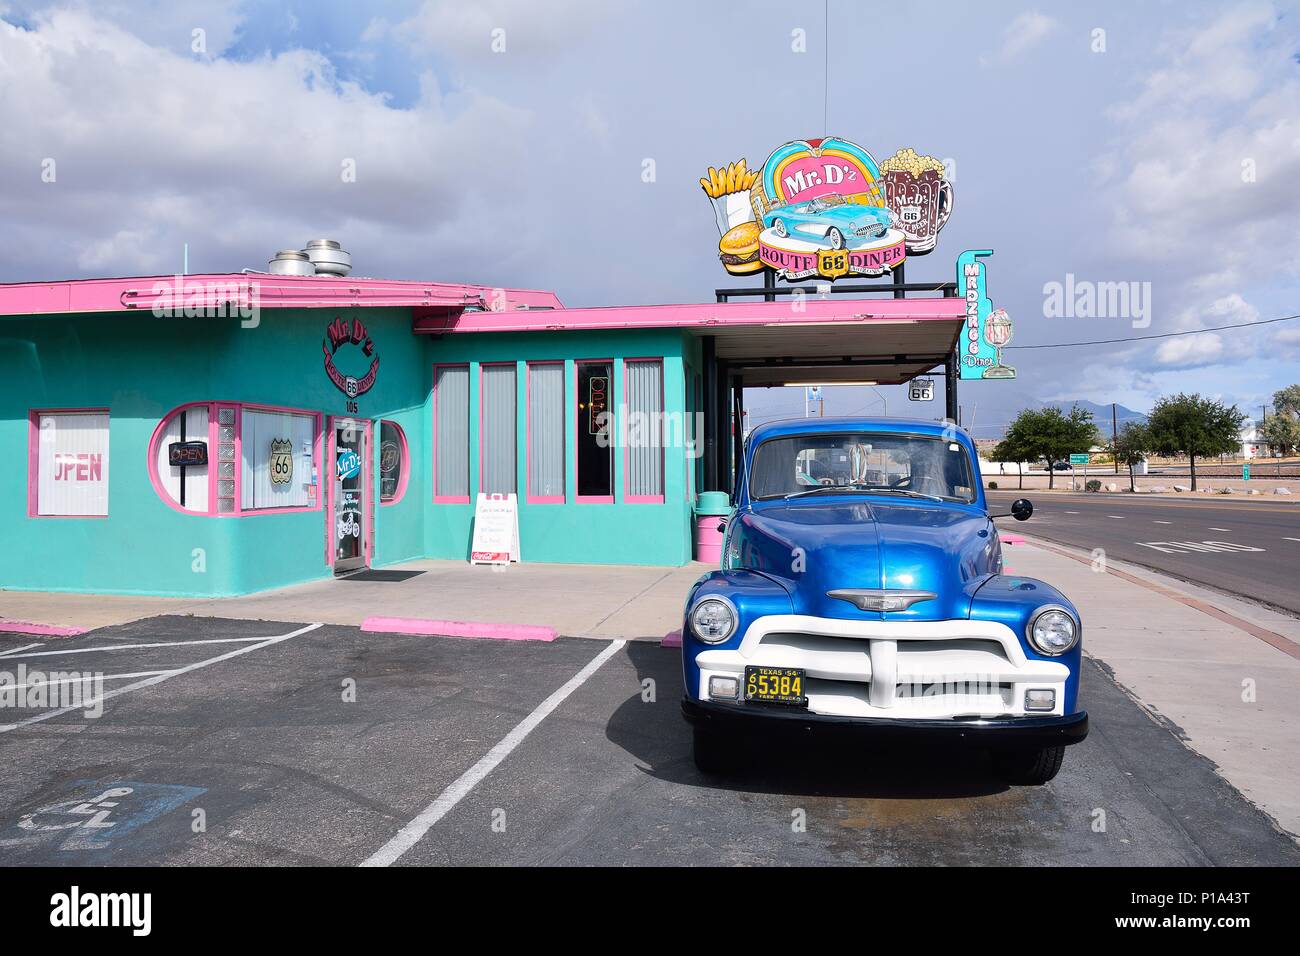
[825,209]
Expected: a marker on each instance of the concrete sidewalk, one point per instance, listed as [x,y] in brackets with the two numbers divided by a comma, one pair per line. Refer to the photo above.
[632,602]
[1226,692]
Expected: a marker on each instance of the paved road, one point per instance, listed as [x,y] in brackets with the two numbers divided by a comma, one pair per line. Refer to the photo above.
[323,745]
[1250,548]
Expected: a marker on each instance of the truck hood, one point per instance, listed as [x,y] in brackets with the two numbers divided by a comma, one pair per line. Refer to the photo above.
[813,548]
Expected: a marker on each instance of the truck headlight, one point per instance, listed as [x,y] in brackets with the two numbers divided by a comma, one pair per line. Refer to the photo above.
[1053,631]
[713,620]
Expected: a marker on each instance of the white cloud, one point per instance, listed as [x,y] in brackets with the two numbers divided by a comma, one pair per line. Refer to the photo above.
[1210,348]
[468,30]
[155,148]
[1022,34]
[1208,156]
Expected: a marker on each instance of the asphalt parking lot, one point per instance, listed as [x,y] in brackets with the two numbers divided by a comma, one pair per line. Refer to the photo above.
[254,743]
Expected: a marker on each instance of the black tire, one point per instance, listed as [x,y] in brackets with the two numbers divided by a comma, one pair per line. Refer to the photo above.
[836,238]
[1028,767]
[779,228]
[715,752]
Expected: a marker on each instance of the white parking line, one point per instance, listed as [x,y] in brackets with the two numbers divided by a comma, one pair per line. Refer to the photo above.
[159,678]
[1164,522]
[1291,539]
[79,680]
[1115,516]
[1221,529]
[413,832]
[15,650]
[1072,512]
[131,647]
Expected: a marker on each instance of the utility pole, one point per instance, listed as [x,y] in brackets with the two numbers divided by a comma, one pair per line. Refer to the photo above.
[1114,435]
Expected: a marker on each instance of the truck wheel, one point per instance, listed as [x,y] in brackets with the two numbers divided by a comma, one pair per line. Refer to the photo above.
[715,752]
[1031,767]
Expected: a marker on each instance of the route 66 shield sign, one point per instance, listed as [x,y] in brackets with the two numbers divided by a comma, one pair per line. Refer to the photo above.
[281,461]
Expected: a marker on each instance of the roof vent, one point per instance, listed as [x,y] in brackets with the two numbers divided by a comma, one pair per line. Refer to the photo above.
[290,262]
[328,257]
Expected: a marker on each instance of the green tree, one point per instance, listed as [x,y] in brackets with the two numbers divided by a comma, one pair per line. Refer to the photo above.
[1006,451]
[1050,433]
[1287,400]
[1131,447]
[1194,426]
[1281,432]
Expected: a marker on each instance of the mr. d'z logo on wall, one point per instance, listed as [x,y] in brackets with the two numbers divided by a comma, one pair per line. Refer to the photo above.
[338,334]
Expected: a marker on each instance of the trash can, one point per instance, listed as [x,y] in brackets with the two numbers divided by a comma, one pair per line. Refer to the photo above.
[711,507]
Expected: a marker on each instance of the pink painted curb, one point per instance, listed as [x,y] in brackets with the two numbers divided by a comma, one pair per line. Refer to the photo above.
[41,630]
[672,639]
[1012,539]
[475,629]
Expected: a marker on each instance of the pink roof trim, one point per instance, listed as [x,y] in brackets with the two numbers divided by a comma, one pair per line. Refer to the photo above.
[210,290]
[819,312]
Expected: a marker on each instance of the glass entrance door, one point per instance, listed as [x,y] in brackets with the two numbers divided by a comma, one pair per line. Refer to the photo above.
[350,471]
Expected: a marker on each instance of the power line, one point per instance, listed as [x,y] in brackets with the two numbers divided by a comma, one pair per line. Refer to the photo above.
[1161,335]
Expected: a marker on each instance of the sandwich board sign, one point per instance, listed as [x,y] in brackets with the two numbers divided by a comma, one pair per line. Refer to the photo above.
[496,529]
[920,390]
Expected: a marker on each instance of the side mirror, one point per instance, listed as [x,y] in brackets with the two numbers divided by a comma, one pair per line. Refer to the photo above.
[1021,509]
[722,524]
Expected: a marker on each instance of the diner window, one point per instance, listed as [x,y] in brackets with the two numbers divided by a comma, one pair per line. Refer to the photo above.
[644,381]
[393,462]
[181,458]
[497,430]
[69,464]
[451,433]
[546,432]
[277,460]
[595,451]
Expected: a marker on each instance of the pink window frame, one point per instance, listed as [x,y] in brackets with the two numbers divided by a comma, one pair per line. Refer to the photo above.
[318,458]
[400,493]
[577,424]
[34,459]
[530,498]
[449,499]
[658,499]
[481,367]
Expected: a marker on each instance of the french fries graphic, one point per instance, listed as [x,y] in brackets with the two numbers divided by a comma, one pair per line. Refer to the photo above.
[732,179]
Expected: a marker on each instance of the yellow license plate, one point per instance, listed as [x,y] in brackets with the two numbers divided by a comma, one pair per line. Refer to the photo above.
[776,685]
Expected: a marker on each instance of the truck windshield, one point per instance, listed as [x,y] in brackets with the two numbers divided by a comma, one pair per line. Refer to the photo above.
[872,462]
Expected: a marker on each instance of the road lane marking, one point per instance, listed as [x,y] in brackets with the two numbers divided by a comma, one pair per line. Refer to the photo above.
[1291,539]
[1121,517]
[15,650]
[1186,547]
[1164,522]
[158,679]
[1072,512]
[413,832]
[131,647]
[1229,530]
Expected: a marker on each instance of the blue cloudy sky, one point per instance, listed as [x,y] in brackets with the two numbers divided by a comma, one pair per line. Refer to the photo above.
[1151,143]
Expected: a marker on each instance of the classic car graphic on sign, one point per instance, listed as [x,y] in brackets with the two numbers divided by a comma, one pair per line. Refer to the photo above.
[861,591]
[831,220]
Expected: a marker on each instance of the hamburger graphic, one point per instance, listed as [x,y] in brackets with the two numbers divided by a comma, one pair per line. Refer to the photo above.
[738,248]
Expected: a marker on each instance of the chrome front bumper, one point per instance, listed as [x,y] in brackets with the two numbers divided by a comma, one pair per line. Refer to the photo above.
[907,670]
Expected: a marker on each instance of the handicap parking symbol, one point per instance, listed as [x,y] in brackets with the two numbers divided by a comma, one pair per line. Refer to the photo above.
[95,814]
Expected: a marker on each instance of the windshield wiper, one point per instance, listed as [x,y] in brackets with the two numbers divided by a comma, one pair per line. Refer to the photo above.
[908,492]
[819,488]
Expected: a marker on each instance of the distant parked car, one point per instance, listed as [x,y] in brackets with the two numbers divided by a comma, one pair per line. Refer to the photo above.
[874,606]
[1062,466]
[830,220]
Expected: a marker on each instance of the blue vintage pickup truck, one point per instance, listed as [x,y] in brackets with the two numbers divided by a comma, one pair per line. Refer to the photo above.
[861,593]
